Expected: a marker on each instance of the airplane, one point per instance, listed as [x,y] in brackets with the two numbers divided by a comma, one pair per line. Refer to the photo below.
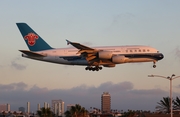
[93,58]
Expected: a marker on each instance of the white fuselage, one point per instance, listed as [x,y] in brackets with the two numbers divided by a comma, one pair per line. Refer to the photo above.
[70,56]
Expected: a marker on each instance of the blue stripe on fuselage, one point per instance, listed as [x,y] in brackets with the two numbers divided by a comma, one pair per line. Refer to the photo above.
[73,58]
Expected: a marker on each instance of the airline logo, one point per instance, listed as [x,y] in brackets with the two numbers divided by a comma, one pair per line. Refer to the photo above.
[31,38]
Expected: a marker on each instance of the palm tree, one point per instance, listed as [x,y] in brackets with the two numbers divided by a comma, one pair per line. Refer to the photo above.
[164,105]
[176,103]
[76,111]
[67,114]
[45,112]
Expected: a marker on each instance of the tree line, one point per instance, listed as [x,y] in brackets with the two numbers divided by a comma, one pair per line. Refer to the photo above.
[79,111]
[75,111]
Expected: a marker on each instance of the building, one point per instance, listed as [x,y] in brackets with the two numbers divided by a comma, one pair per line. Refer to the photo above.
[8,107]
[28,107]
[69,106]
[48,105]
[22,109]
[3,107]
[58,107]
[38,107]
[105,102]
[45,104]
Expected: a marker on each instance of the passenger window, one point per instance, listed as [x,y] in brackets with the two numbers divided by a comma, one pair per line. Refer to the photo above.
[139,50]
[126,50]
[135,50]
[144,50]
[130,50]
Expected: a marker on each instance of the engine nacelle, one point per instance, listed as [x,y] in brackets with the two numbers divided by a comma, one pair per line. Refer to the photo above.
[105,54]
[119,59]
[110,65]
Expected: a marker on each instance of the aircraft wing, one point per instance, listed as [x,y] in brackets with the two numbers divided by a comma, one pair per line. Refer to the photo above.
[30,53]
[89,53]
[79,46]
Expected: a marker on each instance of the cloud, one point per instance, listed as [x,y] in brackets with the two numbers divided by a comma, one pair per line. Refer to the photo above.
[110,87]
[12,87]
[16,65]
[123,95]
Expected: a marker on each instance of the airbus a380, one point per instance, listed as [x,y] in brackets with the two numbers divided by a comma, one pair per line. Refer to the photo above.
[94,58]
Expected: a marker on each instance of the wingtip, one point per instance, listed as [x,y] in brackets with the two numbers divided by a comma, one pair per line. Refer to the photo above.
[68,42]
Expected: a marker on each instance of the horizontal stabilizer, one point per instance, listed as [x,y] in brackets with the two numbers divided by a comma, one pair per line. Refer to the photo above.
[32,54]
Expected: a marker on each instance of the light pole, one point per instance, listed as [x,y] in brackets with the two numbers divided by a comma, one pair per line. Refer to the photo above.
[170,79]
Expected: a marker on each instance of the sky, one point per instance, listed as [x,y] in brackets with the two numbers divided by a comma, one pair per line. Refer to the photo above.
[93,23]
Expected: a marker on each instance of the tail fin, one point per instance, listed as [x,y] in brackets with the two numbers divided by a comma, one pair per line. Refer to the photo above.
[32,39]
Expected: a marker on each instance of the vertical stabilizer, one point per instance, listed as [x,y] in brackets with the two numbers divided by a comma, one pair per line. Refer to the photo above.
[32,39]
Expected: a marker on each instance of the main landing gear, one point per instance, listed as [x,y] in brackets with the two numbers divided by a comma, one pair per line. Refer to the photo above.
[96,68]
[154,64]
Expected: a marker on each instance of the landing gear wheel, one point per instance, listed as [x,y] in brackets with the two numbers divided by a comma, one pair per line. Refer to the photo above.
[154,65]
[96,68]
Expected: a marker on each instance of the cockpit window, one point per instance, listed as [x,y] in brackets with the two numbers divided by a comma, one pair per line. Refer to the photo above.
[157,51]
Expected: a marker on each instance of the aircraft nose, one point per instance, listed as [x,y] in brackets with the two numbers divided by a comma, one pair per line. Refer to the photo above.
[161,56]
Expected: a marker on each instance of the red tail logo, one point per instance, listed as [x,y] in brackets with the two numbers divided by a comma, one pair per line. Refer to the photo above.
[31,38]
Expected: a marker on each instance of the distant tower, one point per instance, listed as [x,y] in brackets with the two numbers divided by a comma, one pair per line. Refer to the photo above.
[28,107]
[8,107]
[105,102]
[62,107]
[45,104]
[38,107]
[58,107]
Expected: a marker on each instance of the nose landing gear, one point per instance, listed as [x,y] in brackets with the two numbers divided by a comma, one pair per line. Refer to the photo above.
[154,64]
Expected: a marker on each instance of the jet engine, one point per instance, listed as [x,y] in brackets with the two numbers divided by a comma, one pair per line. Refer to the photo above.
[119,59]
[105,55]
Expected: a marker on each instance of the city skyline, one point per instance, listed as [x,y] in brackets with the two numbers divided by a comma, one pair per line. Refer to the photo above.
[103,22]
[83,98]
